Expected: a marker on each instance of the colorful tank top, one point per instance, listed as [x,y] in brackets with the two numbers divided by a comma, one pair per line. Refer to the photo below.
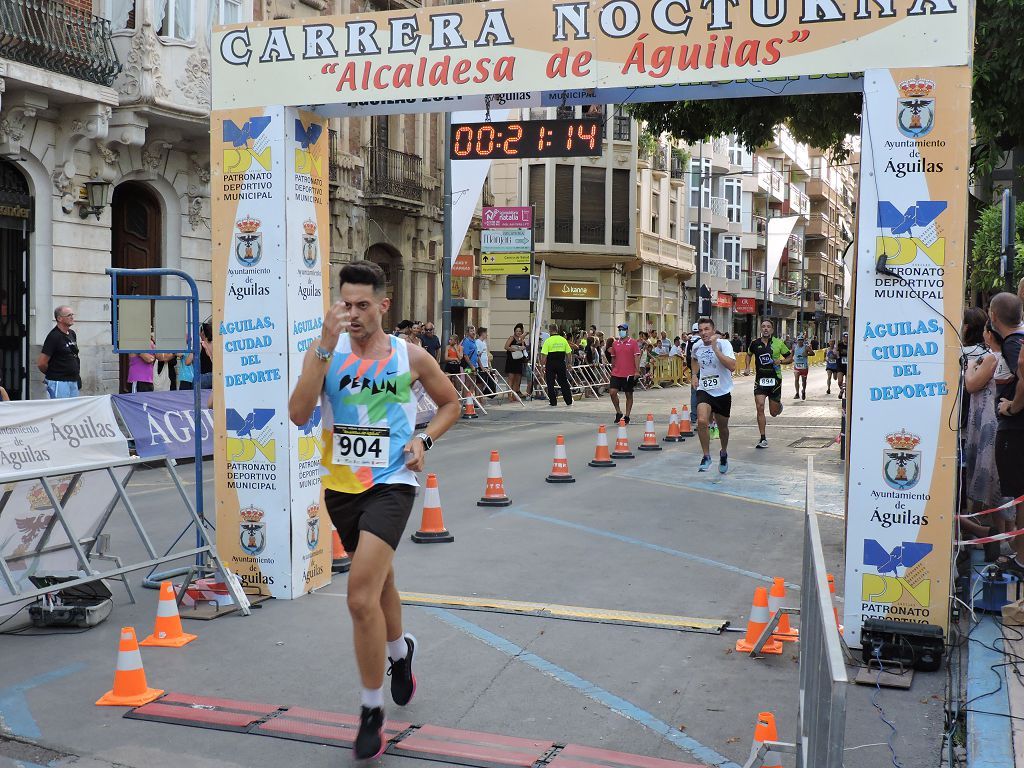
[369,414]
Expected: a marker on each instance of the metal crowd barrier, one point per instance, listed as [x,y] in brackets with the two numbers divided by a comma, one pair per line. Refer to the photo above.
[583,379]
[821,709]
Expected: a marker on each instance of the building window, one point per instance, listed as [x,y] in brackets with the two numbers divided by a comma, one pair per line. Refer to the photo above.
[174,19]
[537,201]
[735,152]
[732,254]
[121,14]
[695,173]
[620,207]
[733,189]
[705,248]
[230,11]
[673,217]
[622,125]
[655,212]
[565,198]
[592,213]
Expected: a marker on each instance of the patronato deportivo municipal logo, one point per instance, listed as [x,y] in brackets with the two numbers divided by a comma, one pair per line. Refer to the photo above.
[312,526]
[248,144]
[912,231]
[909,576]
[252,530]
[250,436]
[248,242]
[915,113]
[310,251]
[901,464]
[306,160]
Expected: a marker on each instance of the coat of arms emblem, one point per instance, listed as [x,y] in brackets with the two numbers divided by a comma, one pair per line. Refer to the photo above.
[248,242]
[309,247]
[915,113]
[253,531]
[901,464]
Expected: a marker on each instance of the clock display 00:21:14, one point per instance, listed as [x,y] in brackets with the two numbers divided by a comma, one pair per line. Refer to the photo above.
[527,138]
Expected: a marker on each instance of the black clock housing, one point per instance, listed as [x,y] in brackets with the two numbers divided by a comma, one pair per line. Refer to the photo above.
[518,139]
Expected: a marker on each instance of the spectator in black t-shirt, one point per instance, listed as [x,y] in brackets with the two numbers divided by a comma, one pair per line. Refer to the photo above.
[430,341]
[205,356]
[58,361]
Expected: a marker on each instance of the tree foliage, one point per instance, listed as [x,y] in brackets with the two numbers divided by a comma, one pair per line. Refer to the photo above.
[825,120]
[984,265]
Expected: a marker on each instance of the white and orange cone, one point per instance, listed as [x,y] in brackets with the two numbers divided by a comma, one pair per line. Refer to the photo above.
[601,456]
[755,626]
[622,443]
[130,688]
[340,561]
[167,631]
[494,491]
[832,597]
[776,598]
[650,442]
[685,425]
[673,435]
[470,410]
[560,465]
[765,730]
[432,530]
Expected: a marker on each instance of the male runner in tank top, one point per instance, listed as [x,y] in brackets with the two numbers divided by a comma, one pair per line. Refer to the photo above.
[768,354]
[363,378]
[714,363]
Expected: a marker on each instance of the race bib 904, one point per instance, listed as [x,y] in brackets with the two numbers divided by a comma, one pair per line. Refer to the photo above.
[709,382]
[357,446]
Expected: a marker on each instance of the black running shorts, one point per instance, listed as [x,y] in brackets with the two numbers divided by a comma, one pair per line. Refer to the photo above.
[772,393]
[383,510]
[622,383]
[721,405]
[1009,450]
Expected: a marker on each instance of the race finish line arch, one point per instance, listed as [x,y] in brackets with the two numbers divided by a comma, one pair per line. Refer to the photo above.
[275,82]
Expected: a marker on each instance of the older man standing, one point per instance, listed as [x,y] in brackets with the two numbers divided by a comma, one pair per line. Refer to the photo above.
[58,360]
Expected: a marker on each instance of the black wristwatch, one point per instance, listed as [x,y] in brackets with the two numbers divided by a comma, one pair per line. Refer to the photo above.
[428,441]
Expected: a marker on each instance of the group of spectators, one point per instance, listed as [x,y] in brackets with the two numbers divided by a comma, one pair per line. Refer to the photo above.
[992,423]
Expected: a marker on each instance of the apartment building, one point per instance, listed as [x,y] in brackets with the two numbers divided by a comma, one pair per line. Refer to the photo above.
[609,228]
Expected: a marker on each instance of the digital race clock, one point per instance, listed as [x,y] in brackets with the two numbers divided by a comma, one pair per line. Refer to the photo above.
[518,139]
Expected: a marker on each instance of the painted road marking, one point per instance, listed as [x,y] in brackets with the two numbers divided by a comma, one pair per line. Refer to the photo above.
[641,543]
[15,713]
[765,483]
[569,612]
[592,691]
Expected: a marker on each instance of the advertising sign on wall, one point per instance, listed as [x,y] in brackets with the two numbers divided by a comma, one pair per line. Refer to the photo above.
[163,423]
[267,192]
[509,47]
[909,281]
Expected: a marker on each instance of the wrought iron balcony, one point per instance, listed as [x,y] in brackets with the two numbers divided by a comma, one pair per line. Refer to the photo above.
[392,173]
[58,37]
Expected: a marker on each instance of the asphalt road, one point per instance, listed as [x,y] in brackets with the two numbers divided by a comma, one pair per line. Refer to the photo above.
[650,535]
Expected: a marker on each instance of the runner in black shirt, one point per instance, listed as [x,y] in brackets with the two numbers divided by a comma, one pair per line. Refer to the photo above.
[58,360]
[842,350]
[768,353]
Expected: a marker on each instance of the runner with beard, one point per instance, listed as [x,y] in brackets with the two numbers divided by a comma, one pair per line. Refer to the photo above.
[768,353]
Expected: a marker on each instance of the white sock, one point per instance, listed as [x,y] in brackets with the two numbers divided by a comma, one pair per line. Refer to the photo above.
[373,697]
[397,649]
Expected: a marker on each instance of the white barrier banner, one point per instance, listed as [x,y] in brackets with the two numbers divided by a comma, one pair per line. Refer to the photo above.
[46,435]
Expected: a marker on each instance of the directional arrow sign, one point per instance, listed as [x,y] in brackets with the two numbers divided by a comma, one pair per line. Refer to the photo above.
[506,240]
[505,258]
[504,269]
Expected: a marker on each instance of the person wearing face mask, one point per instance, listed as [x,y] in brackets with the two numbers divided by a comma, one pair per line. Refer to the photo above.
[625,354]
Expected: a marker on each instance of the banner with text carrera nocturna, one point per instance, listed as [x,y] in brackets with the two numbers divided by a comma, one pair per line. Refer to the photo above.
[901,496]
[502,47]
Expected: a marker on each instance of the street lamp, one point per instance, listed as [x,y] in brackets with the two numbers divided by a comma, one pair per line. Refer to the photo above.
[97,193]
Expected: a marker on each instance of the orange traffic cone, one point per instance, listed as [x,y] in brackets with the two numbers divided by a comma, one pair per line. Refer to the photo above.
[167,630]
[776,597]
[622,443]
[673,435]
[340,561]
[560,466]
[432,530]
[130,689]
[601,455]
[765,730]
[494,491]
[650,442]
[756,624]
[470,410]
[832,598]
[685,425]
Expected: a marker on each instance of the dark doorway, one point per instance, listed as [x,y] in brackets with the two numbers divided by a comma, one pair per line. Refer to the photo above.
[136,236]
[388,260]
[15,224]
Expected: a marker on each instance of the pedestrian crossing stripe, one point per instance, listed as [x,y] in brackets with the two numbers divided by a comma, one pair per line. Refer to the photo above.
[567,612]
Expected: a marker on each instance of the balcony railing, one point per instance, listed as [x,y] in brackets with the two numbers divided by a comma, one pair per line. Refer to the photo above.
[620,234]
[393,173]
[753,281]
[592,232]
[719,206]
[58,37]
[563,230]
